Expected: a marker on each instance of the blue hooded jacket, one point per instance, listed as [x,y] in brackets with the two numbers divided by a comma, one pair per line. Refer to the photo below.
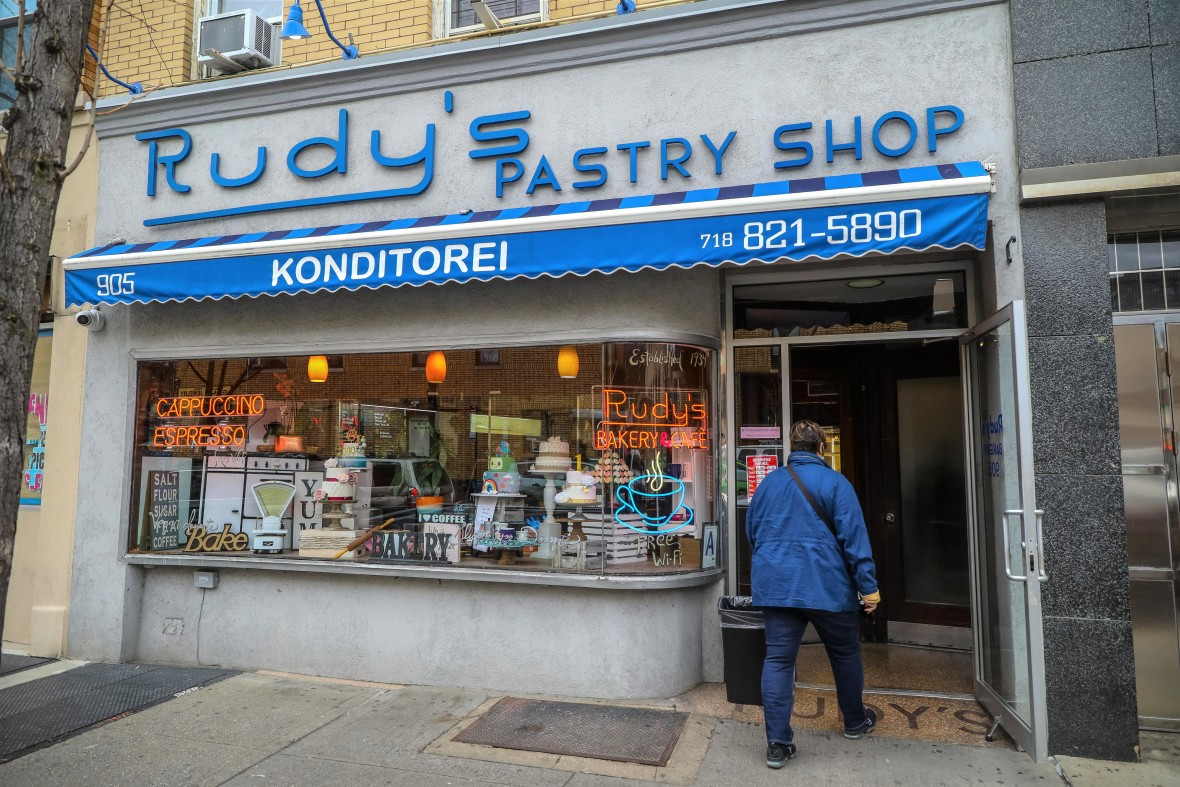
[796,561]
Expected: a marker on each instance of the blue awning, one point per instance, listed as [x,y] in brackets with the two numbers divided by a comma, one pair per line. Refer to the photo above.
[915,209]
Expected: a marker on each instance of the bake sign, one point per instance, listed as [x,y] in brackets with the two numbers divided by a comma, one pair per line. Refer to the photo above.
[638,418]
[200,540]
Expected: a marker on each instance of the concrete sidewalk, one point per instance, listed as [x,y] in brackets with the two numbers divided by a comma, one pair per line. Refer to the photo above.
[268,729]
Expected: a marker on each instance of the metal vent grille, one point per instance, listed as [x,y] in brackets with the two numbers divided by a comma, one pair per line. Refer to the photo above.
[225,34]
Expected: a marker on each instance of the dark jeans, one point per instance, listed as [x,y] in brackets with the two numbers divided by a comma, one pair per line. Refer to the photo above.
[840,633]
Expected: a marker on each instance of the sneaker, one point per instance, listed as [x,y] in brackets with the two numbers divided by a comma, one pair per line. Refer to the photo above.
[777,754]
[858,732]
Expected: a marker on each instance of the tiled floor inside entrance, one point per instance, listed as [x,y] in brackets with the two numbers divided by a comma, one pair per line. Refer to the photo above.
[897,667]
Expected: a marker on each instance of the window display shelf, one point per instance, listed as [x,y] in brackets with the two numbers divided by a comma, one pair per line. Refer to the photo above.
[458,573]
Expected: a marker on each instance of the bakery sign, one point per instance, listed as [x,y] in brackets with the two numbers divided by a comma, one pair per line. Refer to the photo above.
[646,418]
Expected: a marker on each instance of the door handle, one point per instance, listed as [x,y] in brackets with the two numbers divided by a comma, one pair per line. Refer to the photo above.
[891,517]
[1041,575]
[1007,548]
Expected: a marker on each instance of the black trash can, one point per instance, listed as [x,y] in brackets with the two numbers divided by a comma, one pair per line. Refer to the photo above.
[743,642]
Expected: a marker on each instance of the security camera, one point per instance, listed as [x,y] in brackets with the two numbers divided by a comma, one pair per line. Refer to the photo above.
[91,319]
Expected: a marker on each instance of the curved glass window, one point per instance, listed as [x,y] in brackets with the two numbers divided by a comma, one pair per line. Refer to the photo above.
[576,458]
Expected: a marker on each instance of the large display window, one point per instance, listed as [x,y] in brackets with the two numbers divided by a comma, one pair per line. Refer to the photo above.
[576,458]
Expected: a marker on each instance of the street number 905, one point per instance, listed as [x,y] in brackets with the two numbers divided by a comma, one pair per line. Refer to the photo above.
[114,284]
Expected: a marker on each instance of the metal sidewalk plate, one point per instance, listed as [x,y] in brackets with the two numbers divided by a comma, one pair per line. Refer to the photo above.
[602,732]
[43,710]
[13,662]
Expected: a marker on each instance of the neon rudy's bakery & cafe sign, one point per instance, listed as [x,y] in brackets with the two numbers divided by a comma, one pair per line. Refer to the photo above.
[173,435]
[644,418]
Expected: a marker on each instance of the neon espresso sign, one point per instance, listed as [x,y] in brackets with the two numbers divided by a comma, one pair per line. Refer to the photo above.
[508,163]
[643,419]
[218,435]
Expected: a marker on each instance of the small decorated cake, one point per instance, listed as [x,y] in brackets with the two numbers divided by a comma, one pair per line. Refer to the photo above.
[352,450]
[339,482]
[612,469]
[501,476]
[553,456]
[580,489]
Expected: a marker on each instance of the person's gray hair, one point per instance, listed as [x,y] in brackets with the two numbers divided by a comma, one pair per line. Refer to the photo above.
[806,436]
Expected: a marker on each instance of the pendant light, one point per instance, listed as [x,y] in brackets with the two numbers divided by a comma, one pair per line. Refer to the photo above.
[567,362]
[436,367]
[317,368]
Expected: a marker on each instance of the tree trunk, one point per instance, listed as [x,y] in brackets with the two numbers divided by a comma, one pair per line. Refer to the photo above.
[38,129]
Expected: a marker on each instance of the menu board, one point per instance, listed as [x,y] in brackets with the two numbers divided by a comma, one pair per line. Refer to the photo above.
[382,427]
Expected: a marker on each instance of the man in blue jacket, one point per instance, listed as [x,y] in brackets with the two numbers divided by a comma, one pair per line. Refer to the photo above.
[803,572]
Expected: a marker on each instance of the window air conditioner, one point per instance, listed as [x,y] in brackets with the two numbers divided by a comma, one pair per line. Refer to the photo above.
[240,38]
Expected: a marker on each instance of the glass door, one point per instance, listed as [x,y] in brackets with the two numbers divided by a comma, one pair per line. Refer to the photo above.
[1006,546]
[759,412]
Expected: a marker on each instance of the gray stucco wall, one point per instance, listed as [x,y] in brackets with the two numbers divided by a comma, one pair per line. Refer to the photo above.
[513,638]
[1092,85]
[651,84]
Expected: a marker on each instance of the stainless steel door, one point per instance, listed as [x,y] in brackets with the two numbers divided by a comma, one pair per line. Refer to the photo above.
[1144,354]
[1006,548]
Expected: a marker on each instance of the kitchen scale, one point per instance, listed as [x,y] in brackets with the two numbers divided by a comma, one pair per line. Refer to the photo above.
[273,498]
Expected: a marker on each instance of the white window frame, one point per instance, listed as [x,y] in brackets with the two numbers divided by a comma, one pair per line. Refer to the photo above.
[443,9]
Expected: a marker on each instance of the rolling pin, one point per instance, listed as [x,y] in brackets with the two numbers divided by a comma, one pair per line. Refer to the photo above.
[363,538]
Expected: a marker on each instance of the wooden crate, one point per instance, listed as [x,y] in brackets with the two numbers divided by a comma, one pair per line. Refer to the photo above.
[328,543]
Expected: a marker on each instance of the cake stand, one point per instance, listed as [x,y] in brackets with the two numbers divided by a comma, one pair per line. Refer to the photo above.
[549,532]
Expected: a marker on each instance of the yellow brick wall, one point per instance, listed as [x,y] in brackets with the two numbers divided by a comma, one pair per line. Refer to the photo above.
[148,41]
[374,24]
[151,41]
[564,9]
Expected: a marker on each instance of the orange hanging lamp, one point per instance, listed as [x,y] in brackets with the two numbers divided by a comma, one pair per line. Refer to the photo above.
[436,367]
[567,362]
[317,368]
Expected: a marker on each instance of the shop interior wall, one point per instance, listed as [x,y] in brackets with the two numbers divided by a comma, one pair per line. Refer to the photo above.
[524,377]
[39,587]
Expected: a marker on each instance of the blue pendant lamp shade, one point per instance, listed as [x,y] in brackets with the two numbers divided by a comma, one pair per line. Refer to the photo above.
[293,29]
[625,7]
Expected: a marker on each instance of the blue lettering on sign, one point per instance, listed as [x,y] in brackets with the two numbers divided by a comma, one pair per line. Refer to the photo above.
[503,140]
[993,442]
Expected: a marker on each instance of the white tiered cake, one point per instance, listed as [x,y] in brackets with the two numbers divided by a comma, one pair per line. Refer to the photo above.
[580,489]
[553,456]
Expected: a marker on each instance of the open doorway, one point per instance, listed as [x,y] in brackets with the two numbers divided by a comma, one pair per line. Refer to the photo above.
[893,414]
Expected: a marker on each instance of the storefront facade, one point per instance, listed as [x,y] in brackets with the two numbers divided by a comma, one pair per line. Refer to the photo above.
[398,209]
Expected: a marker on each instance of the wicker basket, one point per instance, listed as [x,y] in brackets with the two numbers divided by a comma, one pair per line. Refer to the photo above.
[751,359]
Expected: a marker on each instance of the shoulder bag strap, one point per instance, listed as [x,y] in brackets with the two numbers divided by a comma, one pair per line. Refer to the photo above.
[814,504]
